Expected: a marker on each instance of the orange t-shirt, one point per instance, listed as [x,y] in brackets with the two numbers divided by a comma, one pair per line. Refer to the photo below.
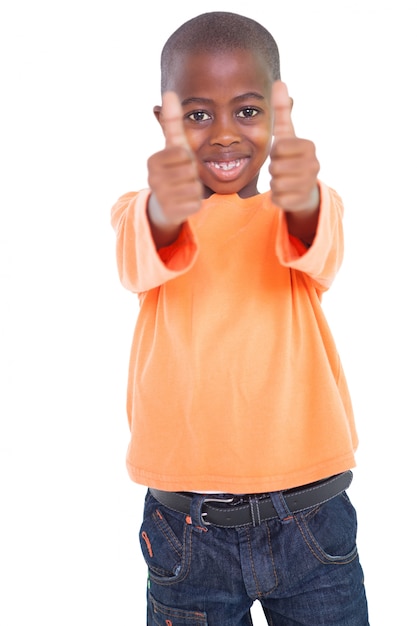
[235,383]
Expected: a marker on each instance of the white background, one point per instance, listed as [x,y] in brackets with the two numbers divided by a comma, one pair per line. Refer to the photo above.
[78,82]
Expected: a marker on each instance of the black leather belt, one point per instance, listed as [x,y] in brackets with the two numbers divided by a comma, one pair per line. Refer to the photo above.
[238,510]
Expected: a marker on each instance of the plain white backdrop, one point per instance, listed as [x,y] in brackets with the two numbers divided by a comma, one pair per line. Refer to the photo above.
[78,82]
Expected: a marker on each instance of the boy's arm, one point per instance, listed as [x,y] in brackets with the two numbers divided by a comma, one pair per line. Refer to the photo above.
[155,242]
[140,265]
[310,236]
[320,261]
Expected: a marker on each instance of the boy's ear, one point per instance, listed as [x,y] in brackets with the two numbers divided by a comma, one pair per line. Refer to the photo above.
[157,112]
[292,102]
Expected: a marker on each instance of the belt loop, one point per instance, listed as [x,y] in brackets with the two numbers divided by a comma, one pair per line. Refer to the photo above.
[254,511]
[196,512]
[280,505]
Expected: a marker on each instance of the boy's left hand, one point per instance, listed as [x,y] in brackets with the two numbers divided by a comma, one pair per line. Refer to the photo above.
[294,165]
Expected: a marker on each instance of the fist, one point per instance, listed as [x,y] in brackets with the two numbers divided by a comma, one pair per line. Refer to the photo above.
[293,162]
[172,172]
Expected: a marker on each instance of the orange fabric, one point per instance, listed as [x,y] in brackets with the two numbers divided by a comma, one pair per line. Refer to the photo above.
[235,383]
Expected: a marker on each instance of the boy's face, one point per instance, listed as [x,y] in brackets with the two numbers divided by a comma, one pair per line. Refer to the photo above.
[228,117]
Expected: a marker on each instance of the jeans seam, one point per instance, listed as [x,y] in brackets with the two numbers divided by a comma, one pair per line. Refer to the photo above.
[255,578]
[272,560]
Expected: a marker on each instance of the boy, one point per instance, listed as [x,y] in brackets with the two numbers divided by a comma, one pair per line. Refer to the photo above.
[241,421]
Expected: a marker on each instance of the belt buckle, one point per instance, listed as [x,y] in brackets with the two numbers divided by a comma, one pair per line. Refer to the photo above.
[225,500]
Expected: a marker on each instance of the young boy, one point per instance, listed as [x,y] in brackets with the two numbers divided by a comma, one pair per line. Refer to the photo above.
[240,417]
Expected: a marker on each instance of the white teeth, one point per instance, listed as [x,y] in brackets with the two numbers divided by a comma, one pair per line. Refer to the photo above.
[226,165]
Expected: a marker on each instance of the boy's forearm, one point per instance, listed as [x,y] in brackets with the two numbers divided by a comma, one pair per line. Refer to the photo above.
[303,224]
[163,233]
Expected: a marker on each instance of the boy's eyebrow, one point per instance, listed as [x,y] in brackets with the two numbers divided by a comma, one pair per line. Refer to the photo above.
[244,96]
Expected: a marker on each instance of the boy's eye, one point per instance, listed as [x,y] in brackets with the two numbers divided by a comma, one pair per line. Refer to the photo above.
[198,116]
[248,112]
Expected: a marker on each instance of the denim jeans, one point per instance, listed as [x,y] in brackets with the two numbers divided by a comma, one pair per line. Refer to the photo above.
[302,567]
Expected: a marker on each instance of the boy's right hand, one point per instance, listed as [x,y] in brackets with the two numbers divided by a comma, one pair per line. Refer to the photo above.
[172,173]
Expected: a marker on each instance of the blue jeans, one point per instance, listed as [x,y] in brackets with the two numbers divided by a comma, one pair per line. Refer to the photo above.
[302,567]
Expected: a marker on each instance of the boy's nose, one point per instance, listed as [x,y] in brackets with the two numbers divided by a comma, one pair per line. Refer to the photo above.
[224,132]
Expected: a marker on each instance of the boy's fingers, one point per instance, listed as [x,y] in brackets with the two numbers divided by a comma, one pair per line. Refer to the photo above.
[172,120]
[282,104]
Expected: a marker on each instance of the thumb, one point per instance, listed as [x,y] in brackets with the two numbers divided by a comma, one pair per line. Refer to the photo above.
[282,104]
[172,120]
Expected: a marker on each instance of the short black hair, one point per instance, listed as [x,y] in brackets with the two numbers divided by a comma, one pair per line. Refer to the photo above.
[220,31]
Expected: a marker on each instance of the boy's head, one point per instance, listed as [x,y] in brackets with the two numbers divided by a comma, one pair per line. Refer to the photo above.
[222,32]
[222,67]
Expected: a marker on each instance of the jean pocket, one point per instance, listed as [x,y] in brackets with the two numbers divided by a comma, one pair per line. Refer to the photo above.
[161,615]
[165,541]
[329,530]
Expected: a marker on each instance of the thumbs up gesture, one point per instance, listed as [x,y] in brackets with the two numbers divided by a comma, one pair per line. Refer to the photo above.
[293,162]
[172,172]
